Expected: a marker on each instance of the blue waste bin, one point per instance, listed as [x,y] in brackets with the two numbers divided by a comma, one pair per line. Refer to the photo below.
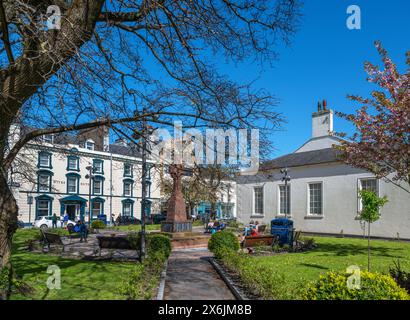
[283,228]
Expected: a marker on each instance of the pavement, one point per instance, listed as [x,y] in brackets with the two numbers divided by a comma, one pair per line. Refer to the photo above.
[190,276]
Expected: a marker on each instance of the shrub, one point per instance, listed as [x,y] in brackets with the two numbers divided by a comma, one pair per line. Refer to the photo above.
[159,243]
[401,277]
[264,283]
[373,286]
[98,224]
[143,280]
[223,240]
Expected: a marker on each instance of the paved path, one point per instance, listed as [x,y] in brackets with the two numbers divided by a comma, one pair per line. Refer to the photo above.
[190,276]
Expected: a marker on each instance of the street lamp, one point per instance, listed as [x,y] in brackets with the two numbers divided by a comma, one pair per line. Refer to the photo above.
[89,177]
[286,179]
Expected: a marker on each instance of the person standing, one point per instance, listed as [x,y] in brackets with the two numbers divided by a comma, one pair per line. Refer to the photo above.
[83,231]
[65,219]
[54,220]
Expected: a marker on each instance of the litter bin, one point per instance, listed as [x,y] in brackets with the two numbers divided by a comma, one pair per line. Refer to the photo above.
[283,228]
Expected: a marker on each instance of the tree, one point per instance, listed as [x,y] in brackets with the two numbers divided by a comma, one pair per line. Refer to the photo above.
[370,213]
[118,62]
[381,143]
[204,185]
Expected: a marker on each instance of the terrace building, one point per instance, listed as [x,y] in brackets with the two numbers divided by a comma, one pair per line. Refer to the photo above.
[52,175]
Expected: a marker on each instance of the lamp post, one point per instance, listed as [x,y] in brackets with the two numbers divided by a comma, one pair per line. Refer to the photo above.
[286,179]
[89,177]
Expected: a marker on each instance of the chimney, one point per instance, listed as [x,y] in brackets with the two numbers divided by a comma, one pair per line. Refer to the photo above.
[322,121]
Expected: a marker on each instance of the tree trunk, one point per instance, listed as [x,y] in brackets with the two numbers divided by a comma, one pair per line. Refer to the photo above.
[8,226]
[368,247]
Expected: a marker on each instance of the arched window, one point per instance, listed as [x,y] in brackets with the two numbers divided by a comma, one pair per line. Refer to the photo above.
[128,208]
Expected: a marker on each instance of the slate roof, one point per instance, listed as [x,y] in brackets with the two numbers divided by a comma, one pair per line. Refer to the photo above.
[303,158]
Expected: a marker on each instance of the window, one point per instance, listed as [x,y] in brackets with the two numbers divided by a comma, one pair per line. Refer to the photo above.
[315,199]
[72,184]
[258,201]
[44,160]
[127,170]
[98,166]
[284,200]
[90,144]
[44,182]
[127,209]
[72,163]
[97,187]
[128,189]
[369,184]
[96,209]
[43,207]
[49,138]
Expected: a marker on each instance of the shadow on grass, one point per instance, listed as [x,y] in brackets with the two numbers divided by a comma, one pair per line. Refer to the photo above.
[314,266]
[349,249]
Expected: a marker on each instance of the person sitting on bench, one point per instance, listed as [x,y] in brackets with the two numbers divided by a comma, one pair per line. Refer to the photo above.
[254,232]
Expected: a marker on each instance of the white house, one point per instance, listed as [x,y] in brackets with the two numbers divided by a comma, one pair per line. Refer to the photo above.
[322,194]
[52,175]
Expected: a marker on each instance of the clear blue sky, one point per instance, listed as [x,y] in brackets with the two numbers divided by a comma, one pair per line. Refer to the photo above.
[325,61]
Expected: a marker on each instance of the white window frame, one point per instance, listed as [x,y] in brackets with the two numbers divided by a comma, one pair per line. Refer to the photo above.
[100,168]
[278,213]
[126,204]
[125,170]
[48,138]
[90,144]
[315,215]
[48,189]
[48,208]
[130,189]
[41,156]
[93,209]
[76,163]
[101,186]
[75,185]
[359,188]
[255,214]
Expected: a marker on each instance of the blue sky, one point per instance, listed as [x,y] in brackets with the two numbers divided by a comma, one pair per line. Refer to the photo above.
[325,61]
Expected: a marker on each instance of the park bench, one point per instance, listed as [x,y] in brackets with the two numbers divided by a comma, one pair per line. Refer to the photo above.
[263,240]
[113,243]
[52,239]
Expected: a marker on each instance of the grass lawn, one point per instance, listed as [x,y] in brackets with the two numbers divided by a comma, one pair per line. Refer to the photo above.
[335,254]
[80,280]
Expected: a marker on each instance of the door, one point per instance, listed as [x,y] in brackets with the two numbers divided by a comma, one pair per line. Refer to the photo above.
[71,211]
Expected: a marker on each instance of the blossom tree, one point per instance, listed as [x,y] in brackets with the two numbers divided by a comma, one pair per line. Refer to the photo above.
[381,143]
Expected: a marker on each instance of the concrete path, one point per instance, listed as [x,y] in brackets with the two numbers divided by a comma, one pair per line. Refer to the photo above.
[190,276]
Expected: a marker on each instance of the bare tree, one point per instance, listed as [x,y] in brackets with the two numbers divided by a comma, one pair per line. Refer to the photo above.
[115,62]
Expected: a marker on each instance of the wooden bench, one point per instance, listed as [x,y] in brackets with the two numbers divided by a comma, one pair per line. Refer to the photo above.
[52,238]
[113,243]
[254,241]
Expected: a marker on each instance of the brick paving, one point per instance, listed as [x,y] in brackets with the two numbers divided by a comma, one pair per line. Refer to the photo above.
[190,276]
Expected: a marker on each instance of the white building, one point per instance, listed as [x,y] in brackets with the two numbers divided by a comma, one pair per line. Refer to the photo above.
[322,195]
[51,176]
